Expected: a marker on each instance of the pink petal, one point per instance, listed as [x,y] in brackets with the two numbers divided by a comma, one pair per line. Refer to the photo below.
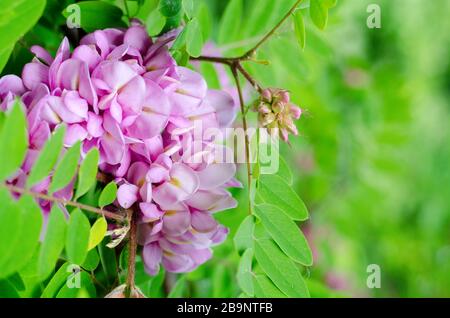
[176,222]
[76,104]
[137,37]
[94,125]
[74,133]
[152,255]
[183,183]
[127,195]
[203,222]
[216,174]
[150,212]
[87,54]
[224,106]
[34,74]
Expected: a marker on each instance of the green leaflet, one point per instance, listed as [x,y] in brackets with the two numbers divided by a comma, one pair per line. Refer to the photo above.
[274,190]
[53,243]
[194,38]
[319,13]
[264,288]
[244,235]
[77,237]
[285,233]
[11,218]
[48,157]
[108,194]
[15,125]
[86,287]
[97,232]
[27,235]
[18,16]
[66,168]
[244,274]
[279,268]
[57,281]
[299,26]
[231,22]
[88,172]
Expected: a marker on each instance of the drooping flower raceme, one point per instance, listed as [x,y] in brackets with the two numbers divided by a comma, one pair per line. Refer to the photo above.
[123,93]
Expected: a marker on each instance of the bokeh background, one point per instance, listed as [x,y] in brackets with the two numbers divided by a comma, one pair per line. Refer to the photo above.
[372,161]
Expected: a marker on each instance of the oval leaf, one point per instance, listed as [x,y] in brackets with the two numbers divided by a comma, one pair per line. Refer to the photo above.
[66,169]
[244,274]
[47,157]
[194,38]
[108,194]
[319,13]
[264,288]
[53,244]
[13,151]
[77,237]
[280,269]
[285,233]
[231,22]
[274,190]
[28,235]
[299,26]
[88,172]
[97,233]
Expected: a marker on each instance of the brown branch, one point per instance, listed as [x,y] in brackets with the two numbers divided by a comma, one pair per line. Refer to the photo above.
[107,214]
[244,124]
[130,283]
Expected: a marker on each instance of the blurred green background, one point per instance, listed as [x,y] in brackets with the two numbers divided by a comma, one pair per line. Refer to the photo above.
[373,159]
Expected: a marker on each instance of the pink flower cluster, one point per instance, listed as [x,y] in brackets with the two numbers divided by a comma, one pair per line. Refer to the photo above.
[123,93]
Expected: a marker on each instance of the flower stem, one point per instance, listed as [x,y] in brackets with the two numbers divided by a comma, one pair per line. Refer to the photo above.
[107,214]
[234,70]
[130,284]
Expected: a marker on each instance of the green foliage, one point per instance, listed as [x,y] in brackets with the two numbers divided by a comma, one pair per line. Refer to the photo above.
[299,25]
[47,157]
[97,232]
[319,13]
[96,15]
[178,289]
[26,236]
[66,169]
[279,268]
[231,22]
[274,190]
[14,125]
[87,175]
[18,16]
[244,274]
[108,194]
[77,238]
[53,243]
[285,233]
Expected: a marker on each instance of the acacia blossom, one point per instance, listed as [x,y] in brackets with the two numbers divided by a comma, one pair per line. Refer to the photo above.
[122,92]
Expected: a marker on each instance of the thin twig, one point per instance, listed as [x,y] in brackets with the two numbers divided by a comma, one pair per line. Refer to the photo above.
[234,69]
[107,214]
[271,32]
